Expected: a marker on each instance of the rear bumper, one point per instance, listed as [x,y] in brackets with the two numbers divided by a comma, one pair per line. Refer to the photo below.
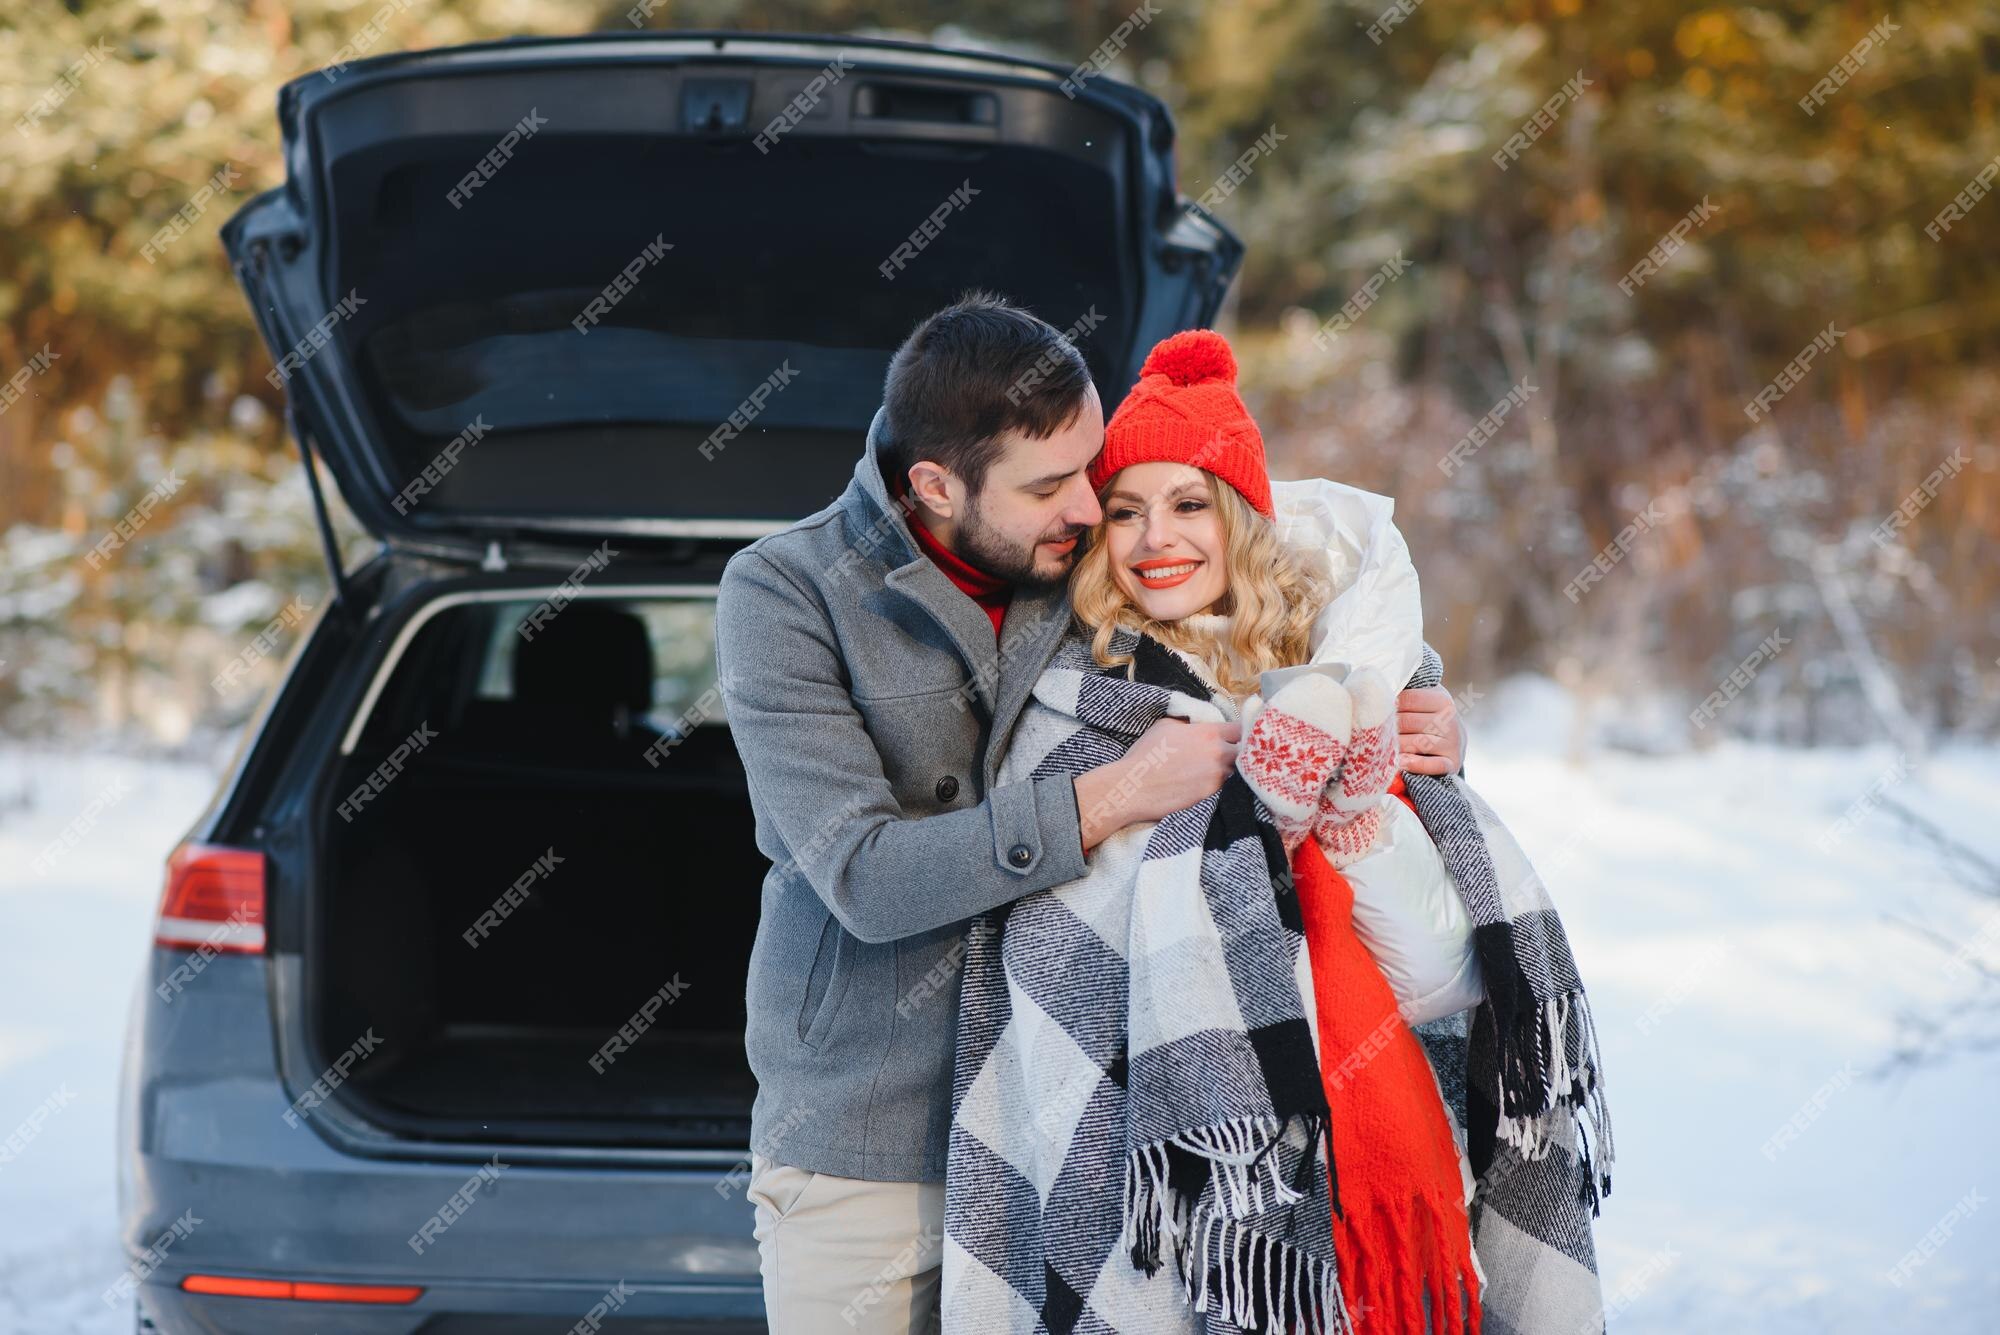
[560,1243]
[463,1309]
[215,1180]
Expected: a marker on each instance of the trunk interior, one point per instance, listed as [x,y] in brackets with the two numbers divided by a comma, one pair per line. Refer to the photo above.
[629,880]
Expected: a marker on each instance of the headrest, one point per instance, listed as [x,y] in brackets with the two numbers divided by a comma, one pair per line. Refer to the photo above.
[590,666]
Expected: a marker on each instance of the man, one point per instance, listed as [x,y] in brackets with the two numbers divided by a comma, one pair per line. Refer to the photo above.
[874,658]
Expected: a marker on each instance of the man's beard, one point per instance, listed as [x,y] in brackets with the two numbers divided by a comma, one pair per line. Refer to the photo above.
[982,547]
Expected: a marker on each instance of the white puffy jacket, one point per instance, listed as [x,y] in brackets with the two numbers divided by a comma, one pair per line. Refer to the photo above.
[1406,910]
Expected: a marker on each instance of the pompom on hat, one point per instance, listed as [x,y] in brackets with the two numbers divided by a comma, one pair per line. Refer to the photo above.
[1185,409]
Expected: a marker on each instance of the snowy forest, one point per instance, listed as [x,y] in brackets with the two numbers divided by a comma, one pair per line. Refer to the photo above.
[1673,330]
[1694,220]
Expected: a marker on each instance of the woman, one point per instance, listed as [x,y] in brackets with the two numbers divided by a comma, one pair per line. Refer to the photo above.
[1204,1020]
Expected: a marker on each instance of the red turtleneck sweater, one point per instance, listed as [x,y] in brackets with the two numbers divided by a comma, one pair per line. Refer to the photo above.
[990,591]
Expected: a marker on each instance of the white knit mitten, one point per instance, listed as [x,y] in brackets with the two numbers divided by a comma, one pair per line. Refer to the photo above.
[1294,745]
[1351,810]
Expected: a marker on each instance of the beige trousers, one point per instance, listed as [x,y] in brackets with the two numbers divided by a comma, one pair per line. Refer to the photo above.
[840,1254]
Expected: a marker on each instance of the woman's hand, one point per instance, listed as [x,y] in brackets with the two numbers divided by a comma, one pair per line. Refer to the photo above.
[1430,737]
[1296,743]
[1351,810]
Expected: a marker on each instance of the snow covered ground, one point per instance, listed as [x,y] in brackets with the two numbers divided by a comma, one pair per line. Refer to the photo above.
[73,935]
[1733,912]
[1740,943]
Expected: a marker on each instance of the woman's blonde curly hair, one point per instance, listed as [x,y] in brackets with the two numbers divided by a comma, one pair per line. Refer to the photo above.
[1275,592]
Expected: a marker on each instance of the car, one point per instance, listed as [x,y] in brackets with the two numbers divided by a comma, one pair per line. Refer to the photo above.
[442,1025]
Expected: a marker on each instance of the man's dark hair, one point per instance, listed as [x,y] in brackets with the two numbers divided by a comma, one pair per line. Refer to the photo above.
[975,370]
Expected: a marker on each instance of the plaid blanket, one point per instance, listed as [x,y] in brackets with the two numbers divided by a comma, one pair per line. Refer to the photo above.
[1055,1099]
[1139,1128]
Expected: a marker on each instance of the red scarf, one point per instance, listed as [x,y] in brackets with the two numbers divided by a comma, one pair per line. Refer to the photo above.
[1402,1226]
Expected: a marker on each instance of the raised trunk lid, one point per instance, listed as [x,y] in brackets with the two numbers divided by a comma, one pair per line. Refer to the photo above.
[646,288]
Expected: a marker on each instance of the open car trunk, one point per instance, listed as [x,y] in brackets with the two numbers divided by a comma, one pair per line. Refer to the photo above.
[534,299]
[530,878]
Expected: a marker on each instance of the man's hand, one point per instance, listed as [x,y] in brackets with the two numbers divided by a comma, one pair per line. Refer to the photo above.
[1430,738]
[1172,766]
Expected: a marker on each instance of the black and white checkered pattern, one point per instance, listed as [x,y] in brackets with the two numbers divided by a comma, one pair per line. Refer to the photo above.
[1527,1081]
[1054,1186]
[1139,1139]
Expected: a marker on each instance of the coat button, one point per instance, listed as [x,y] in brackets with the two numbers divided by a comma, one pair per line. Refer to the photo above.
[947,788]
[1019,855]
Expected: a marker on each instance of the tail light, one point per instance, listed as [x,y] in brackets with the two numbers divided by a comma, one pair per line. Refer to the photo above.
[241,1286]
[215,898]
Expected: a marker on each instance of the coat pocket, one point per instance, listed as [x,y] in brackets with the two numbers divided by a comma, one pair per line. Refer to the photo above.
[825,982]
[923,740]
[778,1187]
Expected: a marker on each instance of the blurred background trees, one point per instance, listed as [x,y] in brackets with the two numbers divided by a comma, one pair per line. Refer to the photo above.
[1511,276]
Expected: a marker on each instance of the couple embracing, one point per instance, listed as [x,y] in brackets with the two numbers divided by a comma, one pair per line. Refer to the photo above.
[1135,957]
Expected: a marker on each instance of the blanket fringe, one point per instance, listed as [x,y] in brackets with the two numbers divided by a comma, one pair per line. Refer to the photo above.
[1256,1280]
[1539,1050]
[1259,1281]
[1235,1151]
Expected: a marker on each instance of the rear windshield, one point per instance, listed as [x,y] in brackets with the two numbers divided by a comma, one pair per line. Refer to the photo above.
[619,682]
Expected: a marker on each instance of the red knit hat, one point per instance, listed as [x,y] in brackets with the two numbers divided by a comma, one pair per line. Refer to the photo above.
[1185,410]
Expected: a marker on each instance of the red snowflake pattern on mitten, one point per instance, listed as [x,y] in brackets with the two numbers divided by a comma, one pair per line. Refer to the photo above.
[1296,744]
[1346,836]
[1352,811]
